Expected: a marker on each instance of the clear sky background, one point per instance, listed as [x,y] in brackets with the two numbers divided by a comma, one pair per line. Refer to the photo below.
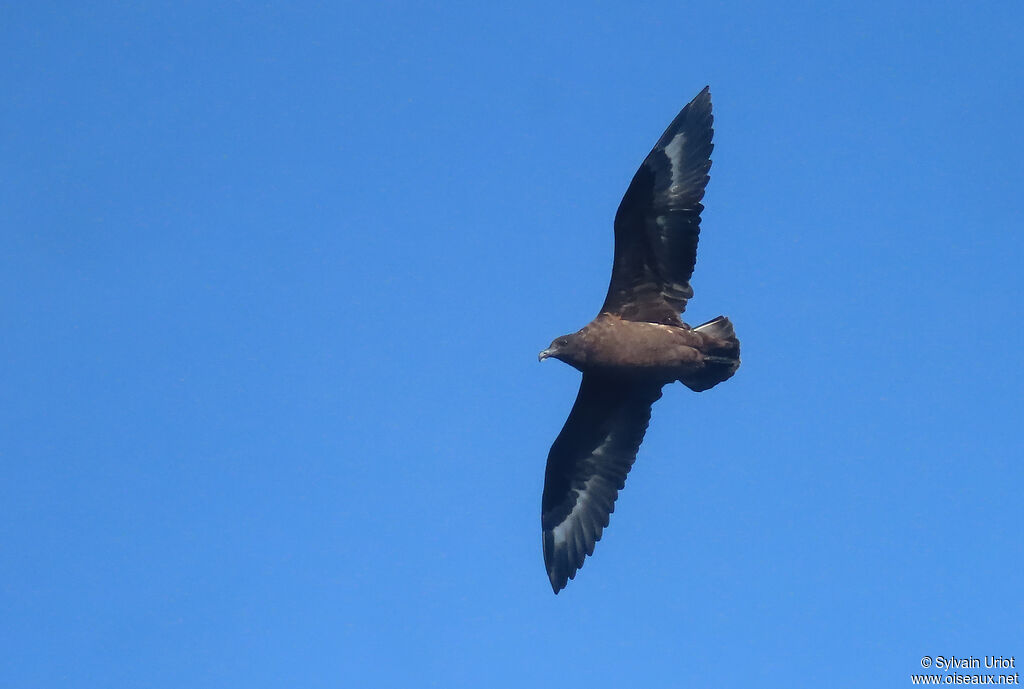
[273,280]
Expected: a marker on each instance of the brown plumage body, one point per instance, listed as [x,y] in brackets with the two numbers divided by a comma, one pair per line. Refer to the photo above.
[657,352]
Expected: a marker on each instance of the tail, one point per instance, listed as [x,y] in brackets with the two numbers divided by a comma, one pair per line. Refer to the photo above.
[721,355]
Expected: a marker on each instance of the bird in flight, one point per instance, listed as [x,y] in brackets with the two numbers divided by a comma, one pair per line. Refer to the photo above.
[637,343]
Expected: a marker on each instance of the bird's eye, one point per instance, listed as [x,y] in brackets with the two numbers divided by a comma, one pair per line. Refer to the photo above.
[561,342]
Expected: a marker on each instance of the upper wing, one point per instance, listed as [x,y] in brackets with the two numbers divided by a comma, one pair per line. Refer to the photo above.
[587,468]
[658,221]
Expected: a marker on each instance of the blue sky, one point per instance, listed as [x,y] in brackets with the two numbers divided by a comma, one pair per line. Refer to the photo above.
[273,279]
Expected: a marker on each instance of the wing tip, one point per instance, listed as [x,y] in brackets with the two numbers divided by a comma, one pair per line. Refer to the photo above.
[702,100]
[558,575]
[701,104]
[556,583]
[558,563]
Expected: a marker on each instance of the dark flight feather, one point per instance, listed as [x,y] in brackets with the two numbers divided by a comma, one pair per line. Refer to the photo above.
[587,468]
[658,221]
